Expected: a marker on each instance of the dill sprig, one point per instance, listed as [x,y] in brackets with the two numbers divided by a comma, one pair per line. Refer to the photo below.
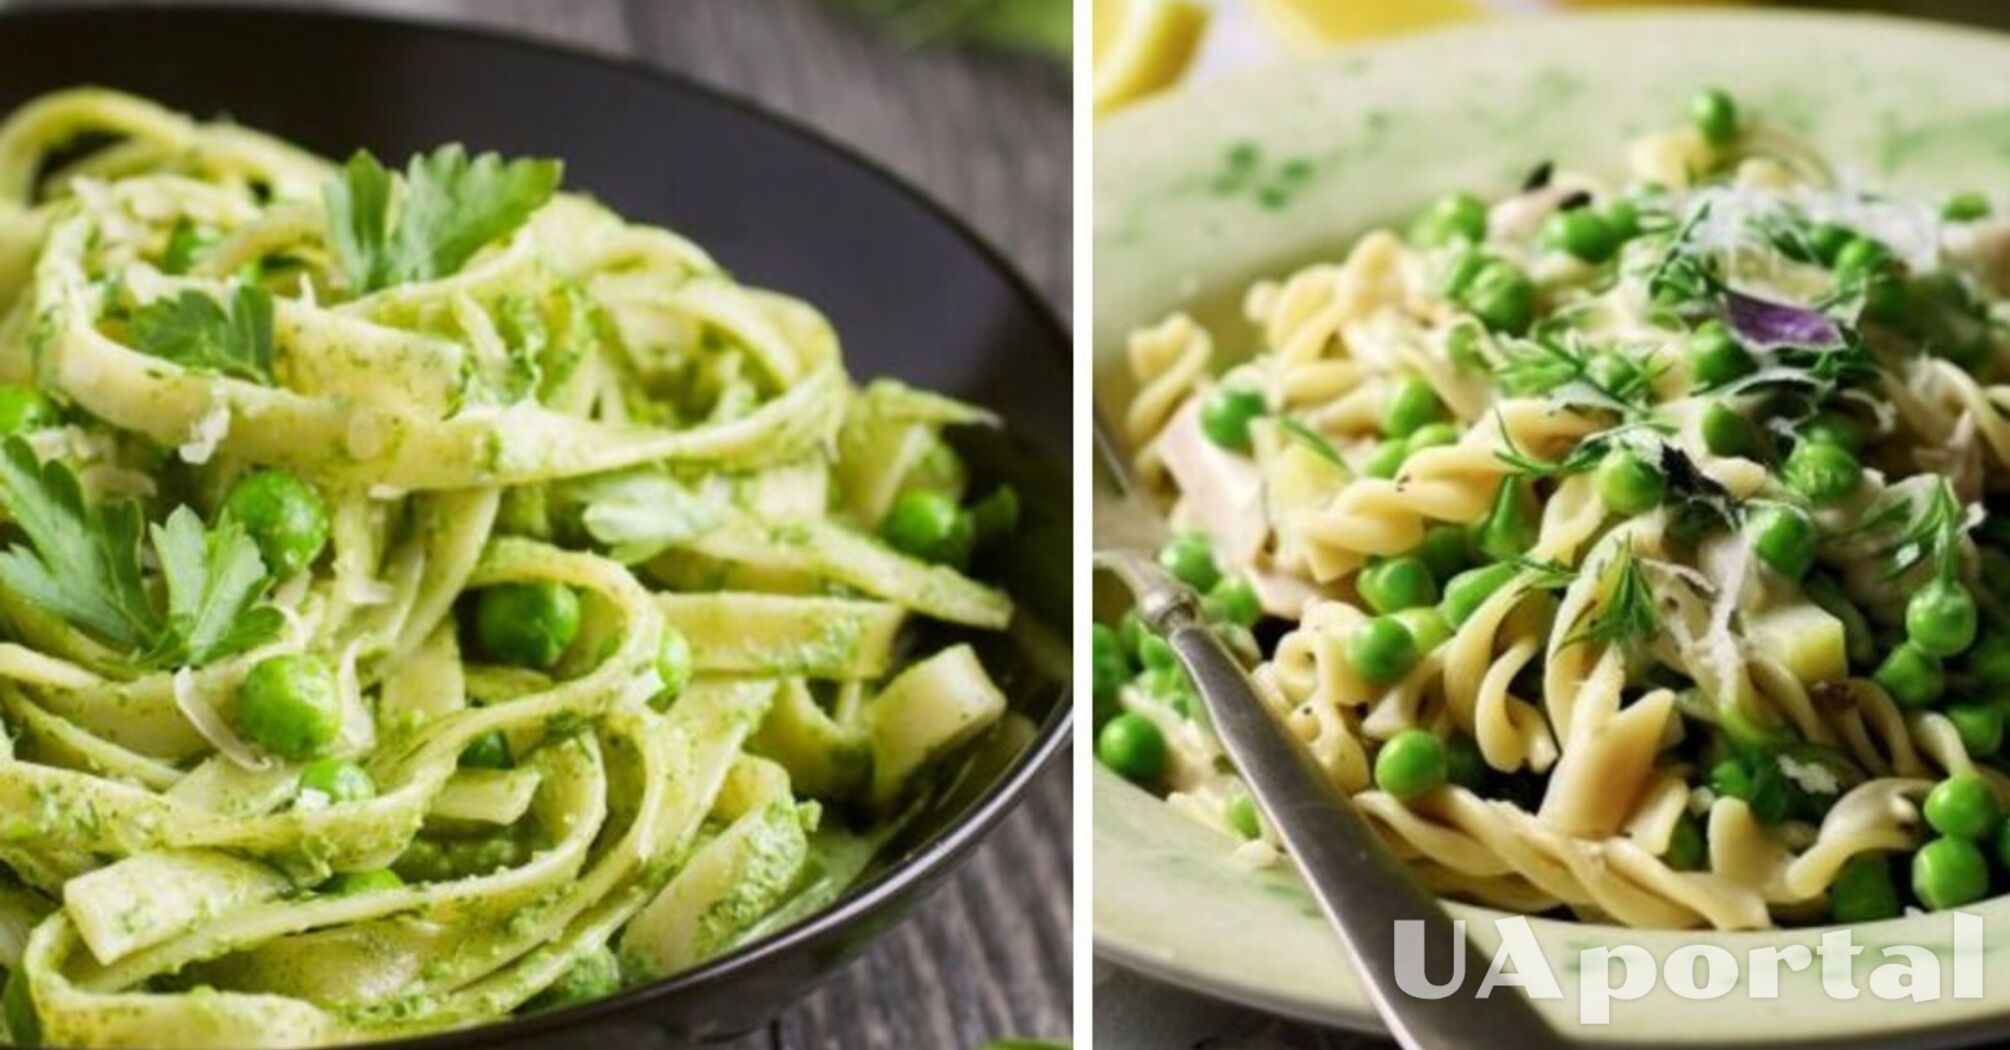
[1544,575]
[1934,534]
[1583,457]
[1314,441]
[1627,614]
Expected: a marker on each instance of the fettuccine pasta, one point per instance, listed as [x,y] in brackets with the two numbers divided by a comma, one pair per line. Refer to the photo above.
[1627,549]
[430,597]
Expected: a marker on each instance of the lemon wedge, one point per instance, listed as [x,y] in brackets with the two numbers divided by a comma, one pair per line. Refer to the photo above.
[1142,46]
[1311,25]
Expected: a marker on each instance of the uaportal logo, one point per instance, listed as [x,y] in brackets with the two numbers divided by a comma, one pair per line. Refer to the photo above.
[1623,972]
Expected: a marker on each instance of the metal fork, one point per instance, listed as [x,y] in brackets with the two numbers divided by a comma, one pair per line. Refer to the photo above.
[1363,889]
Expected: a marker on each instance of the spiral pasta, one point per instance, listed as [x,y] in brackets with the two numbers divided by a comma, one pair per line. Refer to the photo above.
[1644,535]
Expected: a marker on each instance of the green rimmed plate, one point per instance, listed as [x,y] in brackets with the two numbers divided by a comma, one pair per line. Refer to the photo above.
[1199,193]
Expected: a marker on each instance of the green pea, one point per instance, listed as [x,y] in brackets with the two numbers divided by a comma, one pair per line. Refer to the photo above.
[526,624]
[1966,206]
[1989,659]
[1715,116]
[283,515]
[1190,559]
[1940,618]
[372,881]
[1784,537]
[1242,816]
[1727,433]
[594,974]
[337,780]
[1885,299]
[289,705]
[1822,473]
[1459,275]
[1912,676]
[1234,601]
[1110,668]
[1963,807]
[1508,530]
[1581,232]
[1430,435]
[1133,748]
[1760,785]
[1860,257]
[1156,654]
[487,751]
[1446,549]
[1948,873]
[1614,373]
[996,514]
[24,409]
[1427,627]
[1411,404]
[1687,850]
[1501,296]
[1716,357]
[1864,891]
[1131,630]
[1381,650]
[17,1003]
[1410,764]
[1836,429]
[1628,484]
[1455,216]
[1829,239]
[1396,584]
[927,524]
[1386,460]
[2003,844]
[1226,414]
[1980,726]
[1624,217]
[1464,764]
[1469,590]
[674,666]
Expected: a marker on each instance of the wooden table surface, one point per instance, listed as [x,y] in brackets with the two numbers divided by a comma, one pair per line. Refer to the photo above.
[987,134]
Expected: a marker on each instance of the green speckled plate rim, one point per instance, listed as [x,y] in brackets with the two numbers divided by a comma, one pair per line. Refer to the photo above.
[1198,193]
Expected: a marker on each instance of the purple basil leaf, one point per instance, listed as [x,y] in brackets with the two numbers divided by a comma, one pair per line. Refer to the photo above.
[1765,325]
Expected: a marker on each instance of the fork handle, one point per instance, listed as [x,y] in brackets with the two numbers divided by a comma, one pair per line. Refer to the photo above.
[1363,889]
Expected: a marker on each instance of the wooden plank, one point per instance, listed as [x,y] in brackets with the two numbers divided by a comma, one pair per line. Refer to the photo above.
[985,133]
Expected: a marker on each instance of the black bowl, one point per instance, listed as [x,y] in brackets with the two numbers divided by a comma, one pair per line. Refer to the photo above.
[913,293]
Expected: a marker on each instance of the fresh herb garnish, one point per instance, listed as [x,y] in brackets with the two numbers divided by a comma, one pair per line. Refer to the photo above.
[1627,613]
[1582,457]
[1544,575]
[1314,441]
[449,208]
[193,331]
[83,564]
[1685,274]
[1934,534]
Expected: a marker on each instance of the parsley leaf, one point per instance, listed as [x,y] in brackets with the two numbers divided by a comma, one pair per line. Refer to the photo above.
[83,564]
[192,330]
[214,579]
[449,208]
